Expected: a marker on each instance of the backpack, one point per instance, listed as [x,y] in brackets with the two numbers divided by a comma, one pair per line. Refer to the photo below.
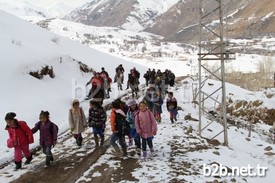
[51,126]
[122,125]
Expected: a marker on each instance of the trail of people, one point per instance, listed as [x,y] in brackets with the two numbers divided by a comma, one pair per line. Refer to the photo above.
[70,160]
[72,163]
[179,152]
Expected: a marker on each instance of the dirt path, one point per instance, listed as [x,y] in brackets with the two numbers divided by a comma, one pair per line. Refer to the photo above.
[71,163]
[72,167]
[109,174]
[64,169]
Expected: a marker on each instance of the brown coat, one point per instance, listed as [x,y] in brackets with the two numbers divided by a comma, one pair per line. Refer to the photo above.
[77,120]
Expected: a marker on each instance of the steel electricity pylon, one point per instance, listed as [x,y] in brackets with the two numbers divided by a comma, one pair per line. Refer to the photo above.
[212,48]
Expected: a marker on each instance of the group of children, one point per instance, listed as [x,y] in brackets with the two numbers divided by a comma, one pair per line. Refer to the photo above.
[137,121]
[141,120]
[96,121]
[20,136]
[154,99]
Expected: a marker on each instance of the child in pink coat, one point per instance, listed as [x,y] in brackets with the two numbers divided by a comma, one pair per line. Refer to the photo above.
[146,127]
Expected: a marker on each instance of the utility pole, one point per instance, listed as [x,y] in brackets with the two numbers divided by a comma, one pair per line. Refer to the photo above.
[212,51]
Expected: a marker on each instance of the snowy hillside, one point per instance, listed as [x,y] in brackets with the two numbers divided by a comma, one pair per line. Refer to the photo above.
[181,155]
[35,10]
[32,48]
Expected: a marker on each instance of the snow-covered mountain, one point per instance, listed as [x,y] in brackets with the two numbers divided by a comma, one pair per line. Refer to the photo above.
[175,20]
[35,10]
[31,49]
[245,20]
[134,15]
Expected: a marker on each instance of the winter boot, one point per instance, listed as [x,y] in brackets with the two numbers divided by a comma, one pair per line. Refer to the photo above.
[144,155]
[79,141]
[96,141]
[28,161]
[101,140]
[124,150]
[76,140]
[18,165]
[138,151]
[117,150]
[48,161]
[153,153]
[172,120]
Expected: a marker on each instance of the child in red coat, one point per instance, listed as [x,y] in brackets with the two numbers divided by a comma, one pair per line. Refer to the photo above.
[20,136]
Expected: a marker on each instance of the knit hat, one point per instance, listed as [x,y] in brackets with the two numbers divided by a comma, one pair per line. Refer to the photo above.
[10,116]
[75,101]
[131,103]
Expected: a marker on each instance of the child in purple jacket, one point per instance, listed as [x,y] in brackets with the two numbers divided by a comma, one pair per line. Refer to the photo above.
[48,135]
[146,127]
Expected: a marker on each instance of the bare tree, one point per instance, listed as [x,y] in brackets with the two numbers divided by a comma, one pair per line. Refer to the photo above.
[267,65]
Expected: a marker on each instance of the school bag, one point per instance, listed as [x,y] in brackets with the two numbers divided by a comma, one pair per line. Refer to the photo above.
[52,125]
[122,125]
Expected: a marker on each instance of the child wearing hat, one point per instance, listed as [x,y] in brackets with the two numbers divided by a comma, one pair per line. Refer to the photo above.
[133,109]
[77,121]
